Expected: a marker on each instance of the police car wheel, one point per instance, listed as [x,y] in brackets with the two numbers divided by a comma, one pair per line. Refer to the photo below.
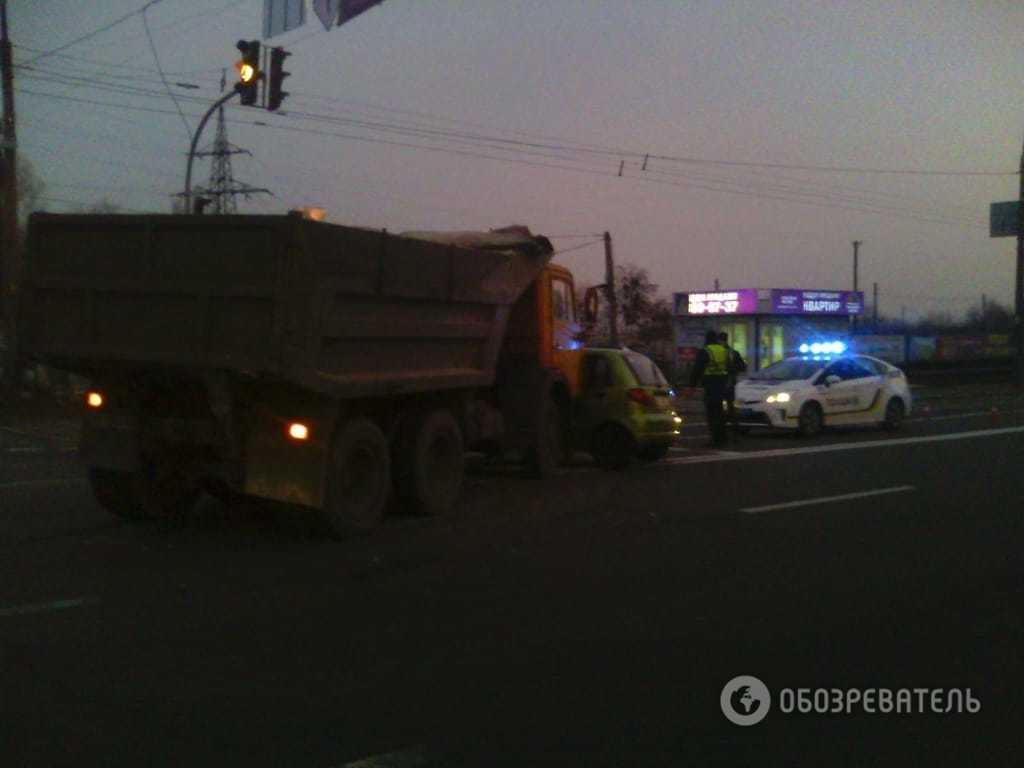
[894,411]
[811,420]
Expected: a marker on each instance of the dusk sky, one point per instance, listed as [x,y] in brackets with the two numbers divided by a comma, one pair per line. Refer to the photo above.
[441,114]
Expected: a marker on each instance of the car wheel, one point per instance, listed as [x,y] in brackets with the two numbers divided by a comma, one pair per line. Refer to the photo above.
[894,412]
[811,420]
[359,478]
[613,447]
[654,453]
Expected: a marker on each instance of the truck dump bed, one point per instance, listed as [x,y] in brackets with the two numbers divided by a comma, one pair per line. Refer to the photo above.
[337,309]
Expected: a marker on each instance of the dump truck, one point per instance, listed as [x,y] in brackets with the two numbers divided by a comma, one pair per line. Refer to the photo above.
[309,363]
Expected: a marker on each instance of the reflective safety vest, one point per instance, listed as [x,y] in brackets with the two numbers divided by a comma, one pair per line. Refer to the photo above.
[718,360]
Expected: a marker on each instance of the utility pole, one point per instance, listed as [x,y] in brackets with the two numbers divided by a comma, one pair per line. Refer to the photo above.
[716,283]
[984,312]
[856,253]
[874,307]
[1018,311]
[613,303]
[9,224]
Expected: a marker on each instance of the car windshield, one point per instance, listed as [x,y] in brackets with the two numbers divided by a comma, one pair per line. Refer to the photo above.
[788,370]
[646,372]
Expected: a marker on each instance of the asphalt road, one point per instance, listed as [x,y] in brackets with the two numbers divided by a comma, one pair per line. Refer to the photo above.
[592,619]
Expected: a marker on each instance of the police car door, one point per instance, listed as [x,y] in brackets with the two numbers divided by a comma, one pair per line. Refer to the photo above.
[875,382]
[843,383]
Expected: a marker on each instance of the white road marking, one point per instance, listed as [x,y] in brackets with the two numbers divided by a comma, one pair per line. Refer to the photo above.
[406,758]
[950,416]
[827,499]
[779,452]
[40,483]
[53,605]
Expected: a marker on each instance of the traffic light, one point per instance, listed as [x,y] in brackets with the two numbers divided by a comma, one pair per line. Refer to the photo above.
[248,71]
[277,75]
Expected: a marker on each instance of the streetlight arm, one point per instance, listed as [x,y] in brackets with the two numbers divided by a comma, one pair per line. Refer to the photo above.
[195,141]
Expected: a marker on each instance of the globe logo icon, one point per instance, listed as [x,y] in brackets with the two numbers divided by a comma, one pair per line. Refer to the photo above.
[745,700]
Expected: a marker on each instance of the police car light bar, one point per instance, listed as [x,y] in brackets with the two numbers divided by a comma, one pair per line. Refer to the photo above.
[823,348]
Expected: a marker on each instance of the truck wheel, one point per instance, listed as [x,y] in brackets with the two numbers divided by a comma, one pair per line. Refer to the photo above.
[166,488]
[358,478]
[117,492]
[430,462]
[550,450]
[613,447]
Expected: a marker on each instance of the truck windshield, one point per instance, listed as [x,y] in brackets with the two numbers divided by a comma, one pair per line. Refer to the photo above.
[646,372]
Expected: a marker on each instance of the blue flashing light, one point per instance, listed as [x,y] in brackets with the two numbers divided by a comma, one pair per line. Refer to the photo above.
[823,348]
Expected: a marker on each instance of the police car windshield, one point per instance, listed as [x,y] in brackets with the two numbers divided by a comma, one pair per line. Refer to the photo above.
[788,370]
[646,372]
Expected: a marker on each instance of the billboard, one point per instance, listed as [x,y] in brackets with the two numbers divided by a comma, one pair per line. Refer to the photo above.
[349,9]
[1004,219]
[739,302]
[280,16]
[793,301]
[891,348]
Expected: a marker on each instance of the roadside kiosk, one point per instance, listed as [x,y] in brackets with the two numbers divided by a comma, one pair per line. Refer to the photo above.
[764,325]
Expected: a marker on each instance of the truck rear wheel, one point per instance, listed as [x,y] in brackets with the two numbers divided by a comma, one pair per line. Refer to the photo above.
[160,489]
[167,488]
[117,492]
[550,450]
[359,478]
[430,462]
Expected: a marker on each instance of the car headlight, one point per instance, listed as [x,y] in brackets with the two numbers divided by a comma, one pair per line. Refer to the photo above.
[780,397]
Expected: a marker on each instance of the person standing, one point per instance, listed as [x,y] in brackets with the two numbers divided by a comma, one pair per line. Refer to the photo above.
[737,365]
[711,371]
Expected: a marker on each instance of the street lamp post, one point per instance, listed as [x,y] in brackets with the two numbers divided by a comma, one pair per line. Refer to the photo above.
[195,142]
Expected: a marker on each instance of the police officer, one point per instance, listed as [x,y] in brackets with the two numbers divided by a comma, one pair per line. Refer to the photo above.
[737,365]
[712,371]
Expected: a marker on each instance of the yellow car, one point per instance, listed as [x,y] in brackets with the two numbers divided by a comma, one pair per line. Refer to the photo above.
[624,409]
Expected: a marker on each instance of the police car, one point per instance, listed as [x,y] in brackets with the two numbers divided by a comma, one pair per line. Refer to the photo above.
[823,388]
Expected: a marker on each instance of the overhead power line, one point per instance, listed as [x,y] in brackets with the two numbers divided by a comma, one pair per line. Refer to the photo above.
[578,247]
[110,64]
[471,145]
[92,34]
[160,69]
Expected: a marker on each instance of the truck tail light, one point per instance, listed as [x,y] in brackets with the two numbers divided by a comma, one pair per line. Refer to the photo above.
[298,431]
